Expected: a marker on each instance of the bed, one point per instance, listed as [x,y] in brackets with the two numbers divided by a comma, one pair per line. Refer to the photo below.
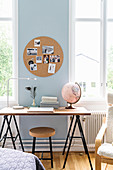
[11,159]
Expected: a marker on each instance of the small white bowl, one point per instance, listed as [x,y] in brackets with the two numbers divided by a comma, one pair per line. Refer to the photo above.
[18,107]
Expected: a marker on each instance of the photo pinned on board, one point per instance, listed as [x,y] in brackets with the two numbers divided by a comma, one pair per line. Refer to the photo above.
[47,49]
[38,59]
[45,59]
[37,43]
[54,58]
[51,68]
[33,67]
[30,62]
[31,51]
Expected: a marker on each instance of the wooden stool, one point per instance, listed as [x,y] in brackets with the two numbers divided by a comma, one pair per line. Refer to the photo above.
[42,132]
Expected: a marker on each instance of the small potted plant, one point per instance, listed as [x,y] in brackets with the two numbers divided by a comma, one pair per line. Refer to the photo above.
[33,93]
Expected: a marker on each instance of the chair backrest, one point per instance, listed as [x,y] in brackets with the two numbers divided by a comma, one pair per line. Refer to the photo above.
[109,119]
[110,98]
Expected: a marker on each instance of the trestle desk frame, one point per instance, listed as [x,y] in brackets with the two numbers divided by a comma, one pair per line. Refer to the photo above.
[78,111]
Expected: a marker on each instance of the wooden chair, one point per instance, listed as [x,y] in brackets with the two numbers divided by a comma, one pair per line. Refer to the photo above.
[42,132]
[104,152]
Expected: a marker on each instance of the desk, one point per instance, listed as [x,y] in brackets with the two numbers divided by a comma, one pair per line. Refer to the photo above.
[79,111]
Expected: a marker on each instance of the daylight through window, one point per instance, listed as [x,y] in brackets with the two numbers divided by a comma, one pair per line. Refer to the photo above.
[92,25]
[6,46]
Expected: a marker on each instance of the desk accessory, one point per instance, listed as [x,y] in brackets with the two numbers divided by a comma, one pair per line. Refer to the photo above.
[41,109]
[49,99]
[18,107]
[16,78]
[49,102]
[55,105]
[71,92]
[33,94]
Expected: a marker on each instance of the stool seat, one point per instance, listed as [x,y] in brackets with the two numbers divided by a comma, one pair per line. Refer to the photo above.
[42,132]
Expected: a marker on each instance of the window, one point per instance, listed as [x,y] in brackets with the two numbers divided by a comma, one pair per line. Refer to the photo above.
[91,46]
[109,45]
[8,45]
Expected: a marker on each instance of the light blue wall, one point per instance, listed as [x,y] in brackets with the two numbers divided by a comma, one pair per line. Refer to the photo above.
[43,18]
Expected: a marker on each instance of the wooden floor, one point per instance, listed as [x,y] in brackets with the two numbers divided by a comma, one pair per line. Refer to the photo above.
[75,162]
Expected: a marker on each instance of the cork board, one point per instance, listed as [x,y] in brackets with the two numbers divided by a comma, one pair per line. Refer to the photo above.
[43,56]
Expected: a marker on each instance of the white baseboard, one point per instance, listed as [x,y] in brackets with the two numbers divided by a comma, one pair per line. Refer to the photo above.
[44,145]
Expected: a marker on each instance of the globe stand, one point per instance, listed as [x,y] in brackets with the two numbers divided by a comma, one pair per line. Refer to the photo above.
[70,107]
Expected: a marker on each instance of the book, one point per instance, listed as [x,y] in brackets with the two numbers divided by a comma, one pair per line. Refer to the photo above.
[49,102]
[55,105]
[41,109]
[49,99]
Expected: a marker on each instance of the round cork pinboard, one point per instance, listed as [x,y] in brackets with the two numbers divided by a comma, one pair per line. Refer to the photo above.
[43,56]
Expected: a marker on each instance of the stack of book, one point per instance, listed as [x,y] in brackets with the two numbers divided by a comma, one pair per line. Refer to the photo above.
[49,102]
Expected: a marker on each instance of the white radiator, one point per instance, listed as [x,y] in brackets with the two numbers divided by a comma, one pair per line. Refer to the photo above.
[93,124]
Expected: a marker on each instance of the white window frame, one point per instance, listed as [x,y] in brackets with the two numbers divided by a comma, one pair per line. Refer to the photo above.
[14,19]
[88,102]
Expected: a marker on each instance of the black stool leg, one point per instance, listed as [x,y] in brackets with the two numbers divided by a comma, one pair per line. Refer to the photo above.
[51,152]
[68,135]
[70,143]
[33,147]
[84,142]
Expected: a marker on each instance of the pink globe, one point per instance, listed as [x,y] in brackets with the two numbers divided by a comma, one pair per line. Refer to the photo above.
[71,92]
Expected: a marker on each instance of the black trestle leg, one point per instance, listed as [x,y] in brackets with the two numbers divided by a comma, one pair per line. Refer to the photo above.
[2,127]
[6,132]
[68,135]
[70,143]
[33,147]
[18,133]
[84,142]
[10,133]
[51,152]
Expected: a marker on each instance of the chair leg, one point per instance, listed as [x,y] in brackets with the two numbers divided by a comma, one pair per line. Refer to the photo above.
[97,162]
[51,152]
[106,166]
[33,147]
